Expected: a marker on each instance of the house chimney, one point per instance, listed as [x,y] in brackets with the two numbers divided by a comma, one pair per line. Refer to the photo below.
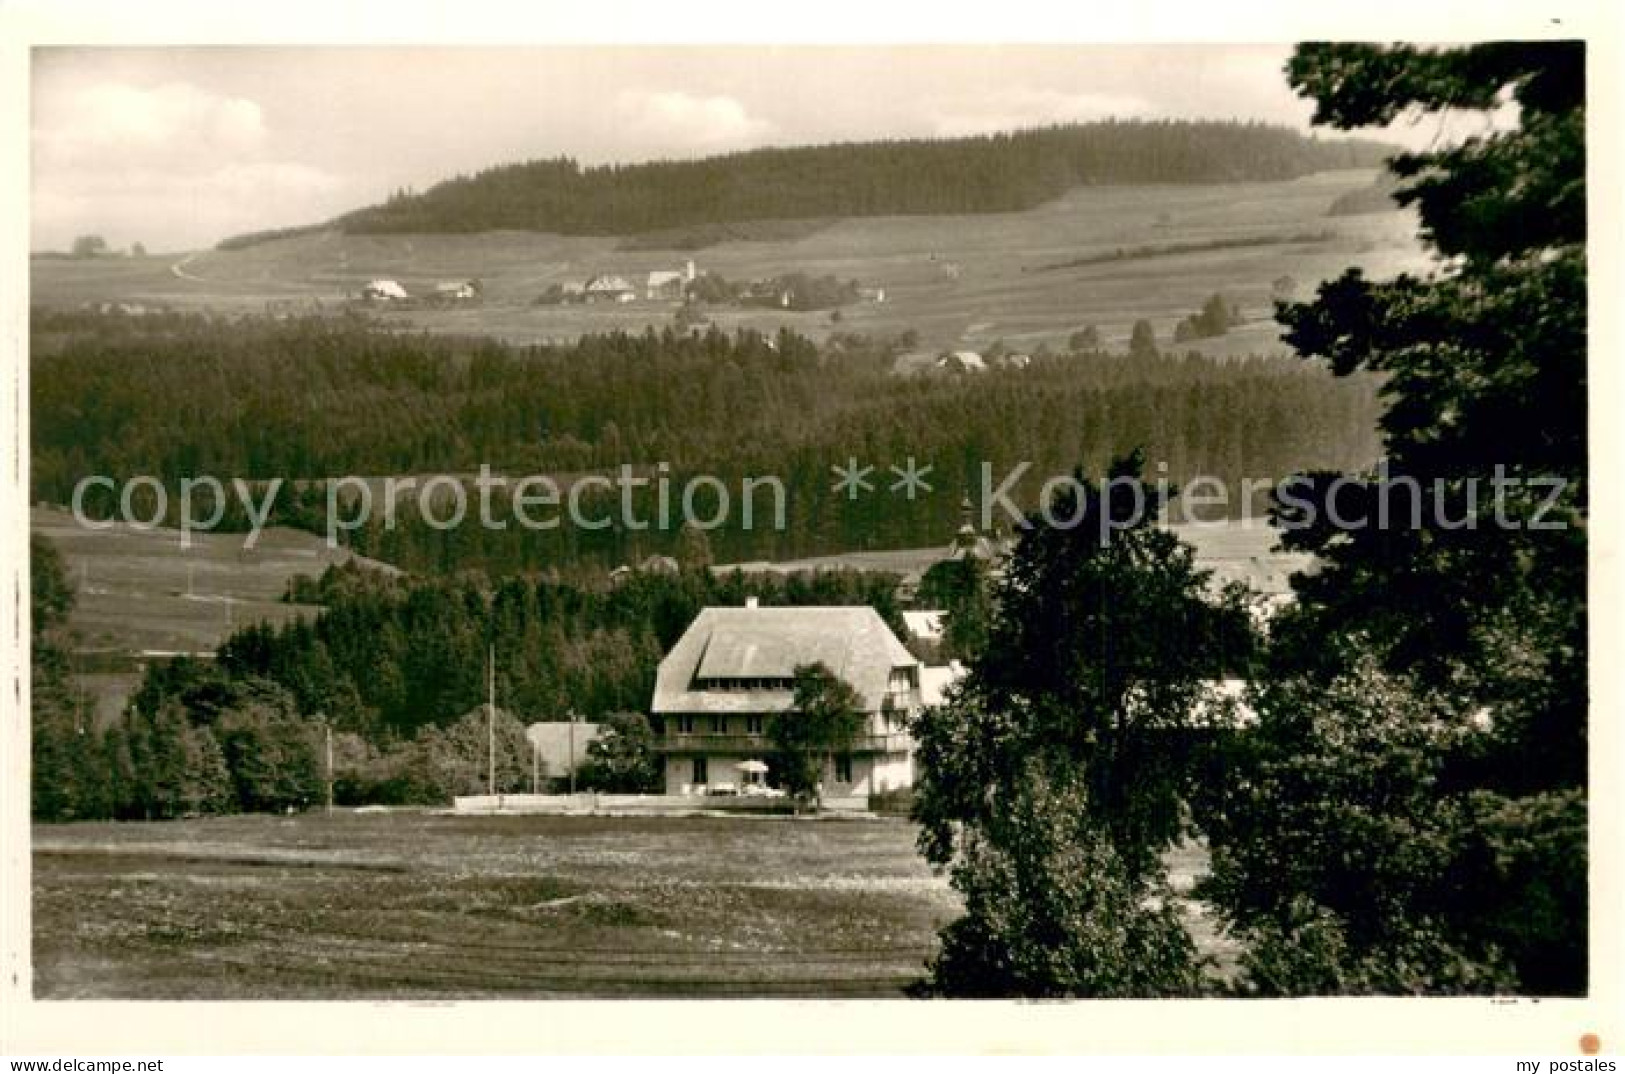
[750,602]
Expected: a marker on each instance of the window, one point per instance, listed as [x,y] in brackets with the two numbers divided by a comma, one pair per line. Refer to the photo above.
[753,725]
[700,773]
[685,725]
[843,768]
[719,725]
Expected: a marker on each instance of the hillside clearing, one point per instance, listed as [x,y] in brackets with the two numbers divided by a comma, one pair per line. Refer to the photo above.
[957,281]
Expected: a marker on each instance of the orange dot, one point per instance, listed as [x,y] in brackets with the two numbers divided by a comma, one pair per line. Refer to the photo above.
[1590,1044]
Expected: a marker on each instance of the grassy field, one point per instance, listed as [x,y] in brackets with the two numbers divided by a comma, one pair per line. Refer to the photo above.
[1007,284]
[139,593]
[414,906]
[1235,550]
[139,590]
[417,906]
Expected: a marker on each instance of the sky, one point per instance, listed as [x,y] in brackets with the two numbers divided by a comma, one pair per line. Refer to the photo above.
[177,148]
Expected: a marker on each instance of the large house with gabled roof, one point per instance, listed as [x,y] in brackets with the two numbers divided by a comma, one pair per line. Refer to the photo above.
[733,671]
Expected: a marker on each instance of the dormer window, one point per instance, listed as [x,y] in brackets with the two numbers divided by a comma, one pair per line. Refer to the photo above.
[733,685]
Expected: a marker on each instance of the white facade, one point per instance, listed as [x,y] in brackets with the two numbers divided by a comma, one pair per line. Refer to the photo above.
[732,674]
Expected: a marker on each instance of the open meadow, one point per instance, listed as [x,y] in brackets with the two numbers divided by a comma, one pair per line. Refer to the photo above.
[1235,550]
[139,594]
[141,590]
[416,905]
[1104,255]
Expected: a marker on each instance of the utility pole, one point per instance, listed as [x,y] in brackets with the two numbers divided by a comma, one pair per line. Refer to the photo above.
[327,726]
[572,753]
[491,720]
[535,768]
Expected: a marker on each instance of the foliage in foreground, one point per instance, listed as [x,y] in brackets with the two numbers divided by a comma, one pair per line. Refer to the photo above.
[1051,909]
[1410,815]
[1055,776]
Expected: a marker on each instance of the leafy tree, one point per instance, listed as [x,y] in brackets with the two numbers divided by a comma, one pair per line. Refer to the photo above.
[710,288]
[962,588]
[1050,909]
[89,246]
[1216,317]
[207,786]
[138,249]
[1086,338]
[1054,779]
[271,753]
[621,760]
[1447,615]
[1348,782]
[824,719]
[1142,340]
[459,756]
[688,316]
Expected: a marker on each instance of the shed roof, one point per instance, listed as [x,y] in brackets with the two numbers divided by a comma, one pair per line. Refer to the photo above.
[553,740]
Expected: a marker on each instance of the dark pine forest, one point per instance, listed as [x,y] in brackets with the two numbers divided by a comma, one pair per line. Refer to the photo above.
[180,396]
[1005,172]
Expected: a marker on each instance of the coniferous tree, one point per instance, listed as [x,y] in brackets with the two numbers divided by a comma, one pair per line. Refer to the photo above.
[1471,620]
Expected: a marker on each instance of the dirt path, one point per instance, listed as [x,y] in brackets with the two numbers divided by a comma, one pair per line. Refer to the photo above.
[178,269]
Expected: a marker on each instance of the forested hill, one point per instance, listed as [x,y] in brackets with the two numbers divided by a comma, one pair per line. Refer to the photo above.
[983,174]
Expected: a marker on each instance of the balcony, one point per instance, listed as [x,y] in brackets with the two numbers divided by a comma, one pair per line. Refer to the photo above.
[758,745]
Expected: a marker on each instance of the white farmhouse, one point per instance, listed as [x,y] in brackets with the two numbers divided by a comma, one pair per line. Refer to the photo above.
[733,671]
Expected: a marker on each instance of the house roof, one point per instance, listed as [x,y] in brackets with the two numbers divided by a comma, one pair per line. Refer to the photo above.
[608,283]
[770,643]
[969,361]
[912,363]
[924,625]
[935,680]
[661,277]
[386,287]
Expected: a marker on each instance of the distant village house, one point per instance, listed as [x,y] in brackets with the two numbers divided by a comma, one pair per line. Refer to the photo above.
[383,291]
[456,291]
[609,289]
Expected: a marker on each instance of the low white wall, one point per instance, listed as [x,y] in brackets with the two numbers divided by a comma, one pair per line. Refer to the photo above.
[522,803]
[611,803]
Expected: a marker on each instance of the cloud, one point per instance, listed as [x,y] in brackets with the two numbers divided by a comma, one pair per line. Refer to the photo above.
[169,125]
[171,210]
[170,164]
[1018,107]
[672,121]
